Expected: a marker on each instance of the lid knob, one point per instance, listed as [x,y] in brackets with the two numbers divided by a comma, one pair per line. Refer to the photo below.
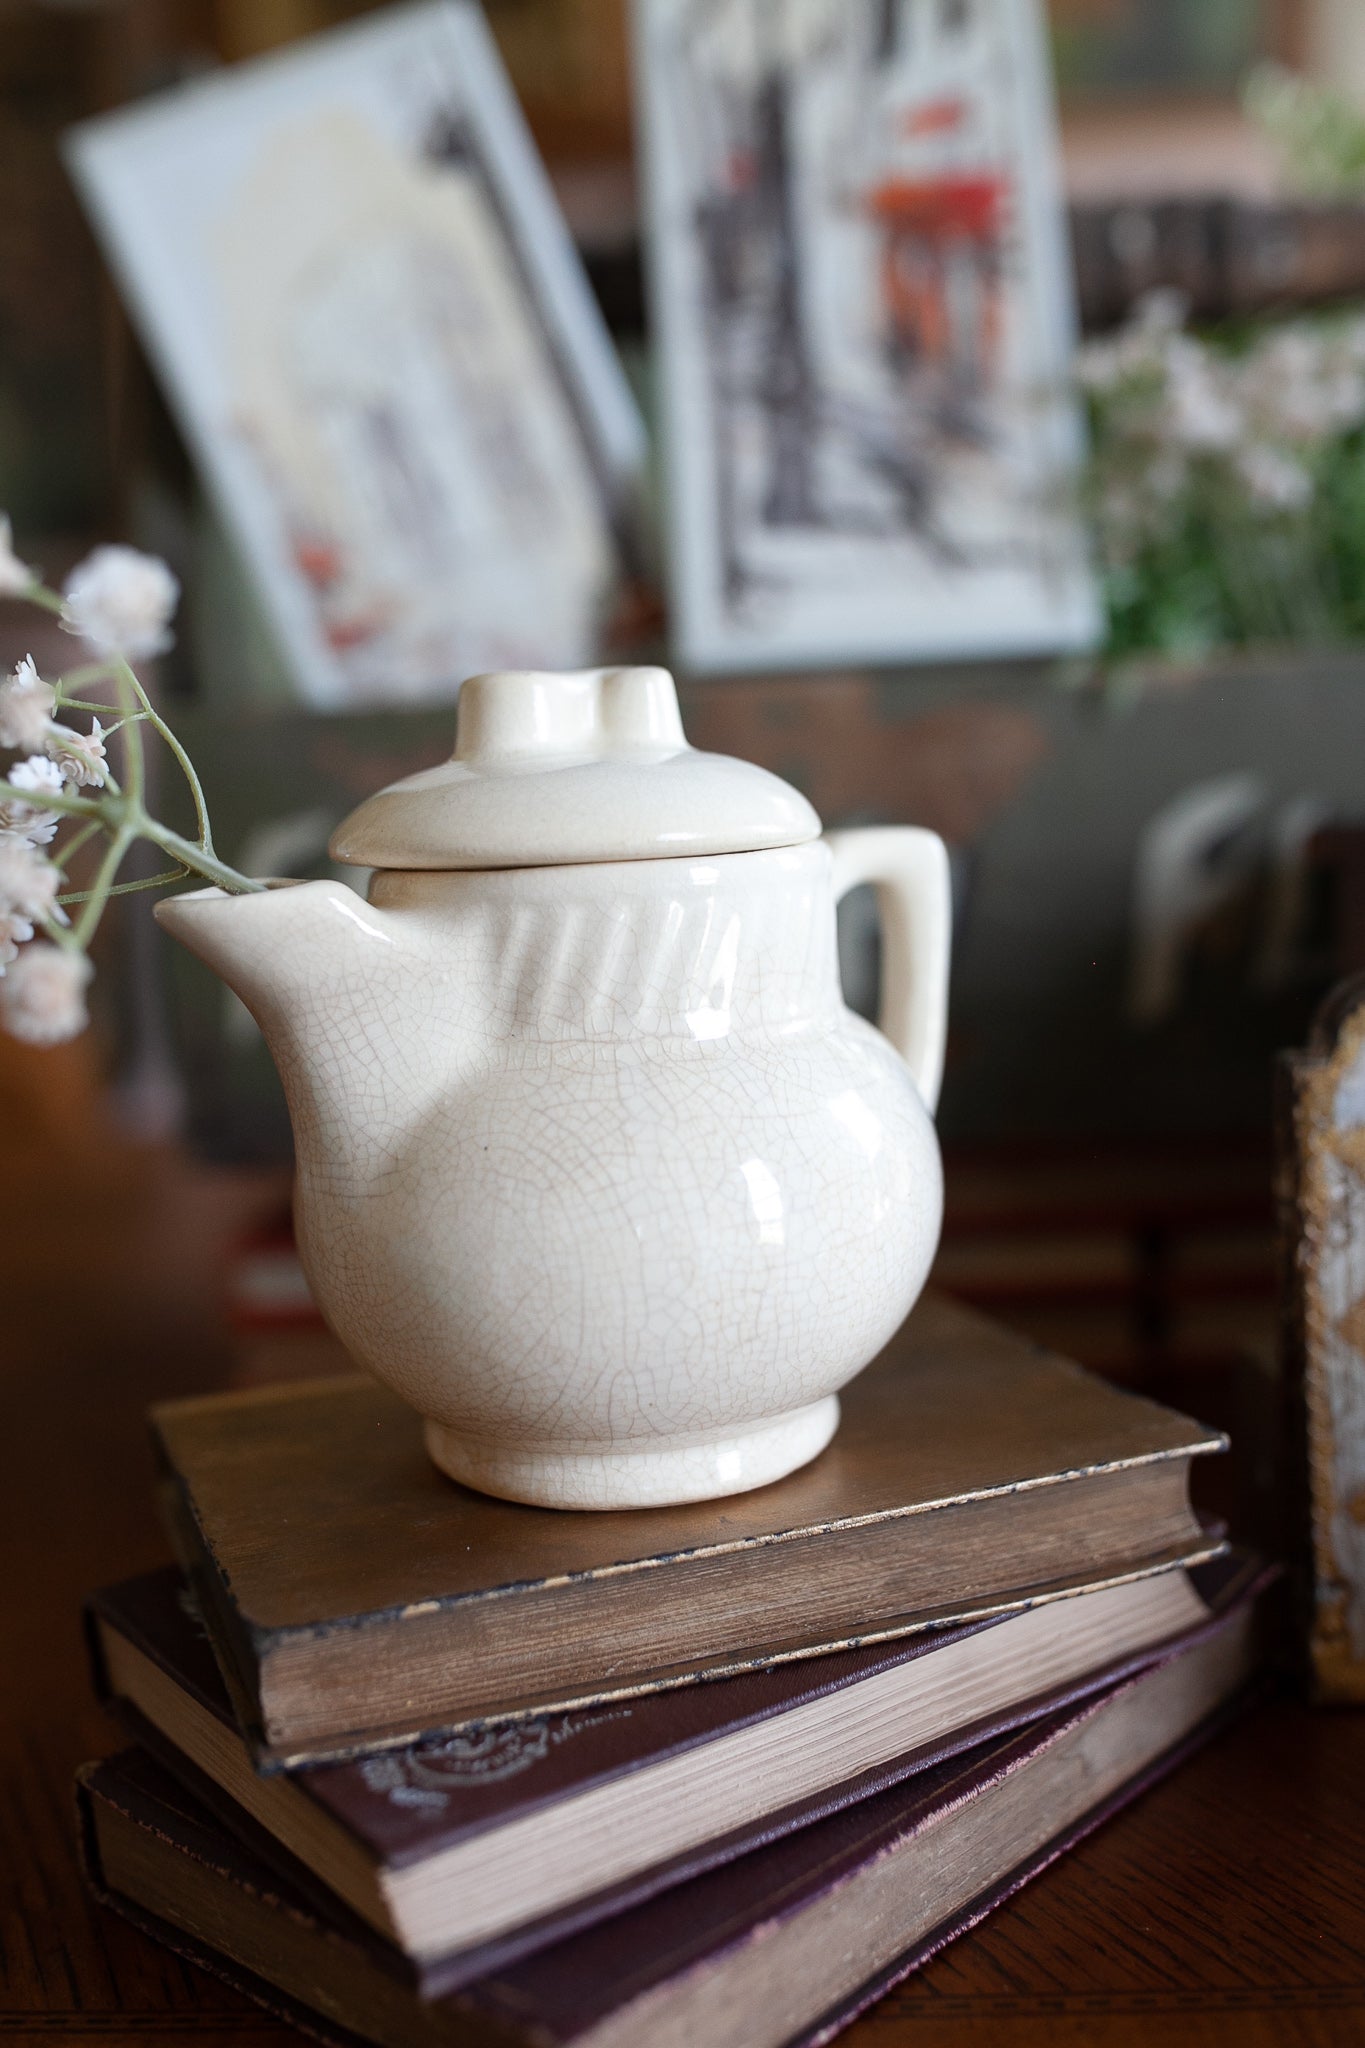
[557,769]
[594,711]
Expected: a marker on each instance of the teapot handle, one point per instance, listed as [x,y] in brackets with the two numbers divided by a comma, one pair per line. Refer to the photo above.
[909,869]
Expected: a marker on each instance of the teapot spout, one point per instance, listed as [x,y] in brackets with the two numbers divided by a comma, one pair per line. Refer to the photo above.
[274,949]
[312,962]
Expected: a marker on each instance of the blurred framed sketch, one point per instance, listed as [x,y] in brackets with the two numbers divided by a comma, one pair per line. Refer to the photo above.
[349,269]
[863,304]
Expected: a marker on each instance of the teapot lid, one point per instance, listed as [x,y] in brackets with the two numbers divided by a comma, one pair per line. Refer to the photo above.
[550,769]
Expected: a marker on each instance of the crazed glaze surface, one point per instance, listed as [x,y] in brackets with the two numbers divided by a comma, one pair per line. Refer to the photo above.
[595,1168]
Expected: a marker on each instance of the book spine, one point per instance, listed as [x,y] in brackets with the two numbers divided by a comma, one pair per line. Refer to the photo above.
[834,2021]
[235,1655]
[276,2002]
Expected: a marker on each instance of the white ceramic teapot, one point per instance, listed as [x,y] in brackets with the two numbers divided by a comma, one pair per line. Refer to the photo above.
[595,1168]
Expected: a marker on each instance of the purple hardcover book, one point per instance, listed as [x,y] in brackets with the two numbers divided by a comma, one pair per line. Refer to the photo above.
[468,1852]
[780,1947]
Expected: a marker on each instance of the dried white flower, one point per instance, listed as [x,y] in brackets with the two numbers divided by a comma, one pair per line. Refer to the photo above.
[19,815]
[15,576]
[38,775]
[121,601]
[14,931]
[28,883]
[42,996]
[79,756]
[26,703]
[33,828]
[1273,479]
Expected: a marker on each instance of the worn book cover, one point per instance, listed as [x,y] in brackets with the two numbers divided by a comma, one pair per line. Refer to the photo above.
[357,1596]
[468,1851]
[783,1946]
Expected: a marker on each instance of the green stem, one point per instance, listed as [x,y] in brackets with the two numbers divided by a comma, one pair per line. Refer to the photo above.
[88,921]
[60,935]
[77,678]
[128,888]
[200,860]
[63,853]
[50,800]
[201,811]
[121,813]
[135,773]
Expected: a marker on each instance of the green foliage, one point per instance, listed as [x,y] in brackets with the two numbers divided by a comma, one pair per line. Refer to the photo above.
[1320,135]
[1227,483]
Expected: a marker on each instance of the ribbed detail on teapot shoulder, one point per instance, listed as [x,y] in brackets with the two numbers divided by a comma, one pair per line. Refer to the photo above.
[633,966]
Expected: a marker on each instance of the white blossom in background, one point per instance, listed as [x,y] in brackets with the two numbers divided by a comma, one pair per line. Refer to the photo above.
[78,756]
[1171,401]
[1202,402]
[28,883]
[42,995]
[1305,384]
[1125,520]
[1222,479]
[120,601]
[1138,350]
[26,703]
[1169,475]
[15,576]
[1275,480]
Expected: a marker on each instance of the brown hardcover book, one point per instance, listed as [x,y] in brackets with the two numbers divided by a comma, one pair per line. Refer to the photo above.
[357,1597]
[781,1947]
[487,1845]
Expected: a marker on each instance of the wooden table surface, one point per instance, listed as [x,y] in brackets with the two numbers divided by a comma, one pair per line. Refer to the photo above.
[1227,1906]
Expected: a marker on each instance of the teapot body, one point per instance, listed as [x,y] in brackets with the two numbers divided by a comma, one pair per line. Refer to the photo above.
[641,1193]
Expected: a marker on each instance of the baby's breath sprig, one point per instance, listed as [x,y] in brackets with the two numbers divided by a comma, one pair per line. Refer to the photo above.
[120,602]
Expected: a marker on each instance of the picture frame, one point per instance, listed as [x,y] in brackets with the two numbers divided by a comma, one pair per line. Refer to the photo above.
[863,316]
[347,264]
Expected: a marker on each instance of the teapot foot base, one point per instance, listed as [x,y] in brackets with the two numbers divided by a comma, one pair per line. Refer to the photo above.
[663,1475]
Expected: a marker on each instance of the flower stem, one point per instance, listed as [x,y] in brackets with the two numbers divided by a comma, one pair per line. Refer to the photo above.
[89,918]
[135,774]
[155,719]
[62,854]
[121,812]
[200,860]
[53,800]
[176,874]
[77,678]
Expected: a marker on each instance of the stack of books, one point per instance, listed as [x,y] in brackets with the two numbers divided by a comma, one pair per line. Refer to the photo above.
[413,1765]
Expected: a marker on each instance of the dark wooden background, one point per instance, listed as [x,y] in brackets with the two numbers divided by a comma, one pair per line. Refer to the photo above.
[1227,1906]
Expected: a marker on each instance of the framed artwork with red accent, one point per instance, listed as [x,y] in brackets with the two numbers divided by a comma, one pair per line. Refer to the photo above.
[351,275]
[863,312]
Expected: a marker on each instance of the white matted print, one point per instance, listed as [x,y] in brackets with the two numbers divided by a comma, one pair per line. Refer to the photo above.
[349,267]
[863,306]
